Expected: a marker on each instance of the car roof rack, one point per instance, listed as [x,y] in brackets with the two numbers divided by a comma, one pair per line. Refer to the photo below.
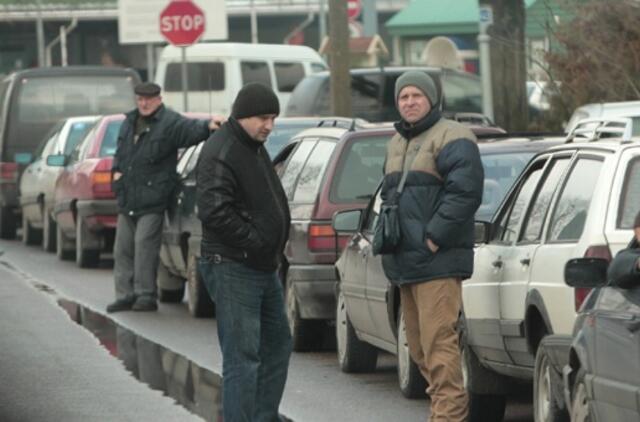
[346,123]
[590,130]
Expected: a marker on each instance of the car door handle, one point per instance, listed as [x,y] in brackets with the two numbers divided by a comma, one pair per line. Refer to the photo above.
[497,263]
[525,261]
[633,325]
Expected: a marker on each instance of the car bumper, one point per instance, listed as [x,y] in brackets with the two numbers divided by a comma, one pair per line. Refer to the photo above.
[314,287]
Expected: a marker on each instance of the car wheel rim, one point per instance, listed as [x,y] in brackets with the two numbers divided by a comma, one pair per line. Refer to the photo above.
[543,403]
[191,283]
[341,328]
[580,407]
[463,366]
[403,353]
[291,307]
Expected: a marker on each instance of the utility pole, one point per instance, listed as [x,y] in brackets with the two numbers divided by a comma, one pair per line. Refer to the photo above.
[340,87]
[40,35]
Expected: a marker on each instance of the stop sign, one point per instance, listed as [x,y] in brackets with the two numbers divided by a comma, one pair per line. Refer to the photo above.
[354,7]
[182,23]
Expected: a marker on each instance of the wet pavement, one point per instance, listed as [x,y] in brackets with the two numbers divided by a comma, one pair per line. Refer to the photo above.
[52,370]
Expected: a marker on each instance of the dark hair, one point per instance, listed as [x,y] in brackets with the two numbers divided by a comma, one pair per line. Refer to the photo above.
[636,222]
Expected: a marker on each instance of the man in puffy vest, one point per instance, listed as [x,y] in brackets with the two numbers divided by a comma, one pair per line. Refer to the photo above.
[442,191]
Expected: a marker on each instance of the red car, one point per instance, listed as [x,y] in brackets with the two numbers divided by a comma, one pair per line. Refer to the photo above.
[85,208]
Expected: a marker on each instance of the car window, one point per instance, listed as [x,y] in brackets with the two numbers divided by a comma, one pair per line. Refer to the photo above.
[49,139]
[288,75]
[312,174]
[193,162]
[518,208]
[373,211]
[280,136]
[255,72]
[630,198]
[500,171]
[537,212]
[462,93]
[295,164]
[110,140]
[77,131]
[184,160]
[318,67]
[205,76]
[78,152]
[571,210]
[360,170]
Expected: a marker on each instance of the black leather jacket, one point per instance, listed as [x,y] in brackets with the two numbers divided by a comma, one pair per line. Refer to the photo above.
[241,203]
[148,166]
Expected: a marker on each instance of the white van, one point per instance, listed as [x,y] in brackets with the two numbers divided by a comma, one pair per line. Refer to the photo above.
[217,71]
[605,111]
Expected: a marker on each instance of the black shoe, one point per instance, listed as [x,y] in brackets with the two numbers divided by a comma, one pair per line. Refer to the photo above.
[120,305]
[143,304]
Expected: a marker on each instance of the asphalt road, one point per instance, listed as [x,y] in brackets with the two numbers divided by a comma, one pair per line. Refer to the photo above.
[316,389]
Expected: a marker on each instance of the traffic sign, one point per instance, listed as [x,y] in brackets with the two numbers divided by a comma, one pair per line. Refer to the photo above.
[354,8]
[182,23]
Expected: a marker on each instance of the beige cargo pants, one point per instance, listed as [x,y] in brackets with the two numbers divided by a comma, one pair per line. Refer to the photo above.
[431,313]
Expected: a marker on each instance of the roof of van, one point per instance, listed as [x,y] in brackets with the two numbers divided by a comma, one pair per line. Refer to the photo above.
[243,50]
[78,70]
[393,70]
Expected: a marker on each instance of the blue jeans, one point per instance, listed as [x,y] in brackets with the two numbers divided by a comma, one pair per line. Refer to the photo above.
[254,337]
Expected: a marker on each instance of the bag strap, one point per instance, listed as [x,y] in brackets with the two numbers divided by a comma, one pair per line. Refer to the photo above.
[405,171]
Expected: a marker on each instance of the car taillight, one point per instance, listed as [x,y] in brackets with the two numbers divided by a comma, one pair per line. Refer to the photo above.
[322,237]
[596,251]
[101,183]
[8,172]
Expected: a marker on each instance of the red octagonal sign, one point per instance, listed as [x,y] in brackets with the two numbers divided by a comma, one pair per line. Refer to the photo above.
[182,23]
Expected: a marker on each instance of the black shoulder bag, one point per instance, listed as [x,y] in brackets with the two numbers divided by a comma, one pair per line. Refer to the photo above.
[387,234]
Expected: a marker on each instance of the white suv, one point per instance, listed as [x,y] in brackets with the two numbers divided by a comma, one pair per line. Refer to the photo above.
[575,200]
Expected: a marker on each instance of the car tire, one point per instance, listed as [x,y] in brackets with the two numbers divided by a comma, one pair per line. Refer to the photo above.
[65,248]
[547,390]
[487,402]
[86,257]
[199,300]
[307,335]
[354,355]
[30,235]
[580,408]
[48,233]
[7,223]
[165,278]
[410,380]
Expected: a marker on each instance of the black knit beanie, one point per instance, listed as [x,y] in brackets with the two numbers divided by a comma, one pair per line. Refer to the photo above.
[255,99]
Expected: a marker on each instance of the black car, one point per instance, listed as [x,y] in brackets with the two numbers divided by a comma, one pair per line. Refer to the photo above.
[373,96]
[602,370]
[369,312]
[182,231]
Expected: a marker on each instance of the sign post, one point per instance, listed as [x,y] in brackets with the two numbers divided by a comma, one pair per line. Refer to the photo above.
[182,23]
[486,20]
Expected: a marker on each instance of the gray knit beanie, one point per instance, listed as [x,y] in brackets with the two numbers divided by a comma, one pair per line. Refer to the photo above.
[420,80]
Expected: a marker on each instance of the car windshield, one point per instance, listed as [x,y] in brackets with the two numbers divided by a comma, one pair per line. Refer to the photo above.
[500,171]
[110,140]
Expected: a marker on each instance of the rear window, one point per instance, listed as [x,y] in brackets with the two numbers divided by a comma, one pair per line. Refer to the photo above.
[110,140]
[294,166]
[288,75]
[630,198]
[206,76]
[462,93]
[255,72]
[312,174]
[360,170]
[280,136]
[53,98]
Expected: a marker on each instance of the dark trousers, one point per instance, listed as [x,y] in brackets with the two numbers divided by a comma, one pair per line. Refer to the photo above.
[254,337]
[136,253]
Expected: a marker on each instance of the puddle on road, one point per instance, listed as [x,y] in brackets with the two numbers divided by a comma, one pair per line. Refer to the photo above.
[196,388]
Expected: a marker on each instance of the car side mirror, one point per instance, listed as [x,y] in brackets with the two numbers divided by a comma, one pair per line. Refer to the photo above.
[586,272]
[23,158]
[57,160]
[346,221]
[482,231]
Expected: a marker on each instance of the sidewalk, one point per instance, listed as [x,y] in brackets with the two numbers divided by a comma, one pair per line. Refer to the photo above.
[53,370]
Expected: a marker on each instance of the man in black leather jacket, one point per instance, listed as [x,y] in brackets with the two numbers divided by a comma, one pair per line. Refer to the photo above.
[245,224]
[144,176]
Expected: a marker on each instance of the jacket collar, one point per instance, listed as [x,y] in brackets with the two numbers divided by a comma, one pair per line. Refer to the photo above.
[242,135]
[410,131]
[157,115]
